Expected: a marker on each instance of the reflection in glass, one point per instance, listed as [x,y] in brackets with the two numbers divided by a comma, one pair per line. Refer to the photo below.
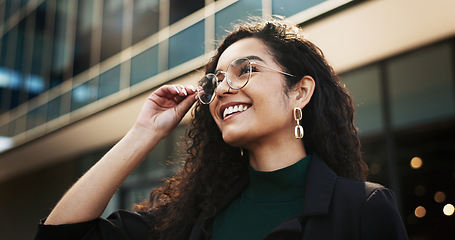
[84,94]
[186,45]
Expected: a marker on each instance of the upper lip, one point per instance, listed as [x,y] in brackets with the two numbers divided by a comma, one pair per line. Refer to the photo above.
[226,105]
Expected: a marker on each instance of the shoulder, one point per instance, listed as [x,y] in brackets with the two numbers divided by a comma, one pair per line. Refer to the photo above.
[376,207]
[362,198]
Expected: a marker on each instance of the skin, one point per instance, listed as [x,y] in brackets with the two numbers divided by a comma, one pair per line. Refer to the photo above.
[266,130]
[160,114]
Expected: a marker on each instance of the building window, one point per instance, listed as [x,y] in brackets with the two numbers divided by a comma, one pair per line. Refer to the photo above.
[422,85]
[60,59]
[109,82]
[112,27]
[83,36]
[145,19]
[288,8]
[187,44]
[84,94]
[144,65]
[236,12]
[365,89]
[182,8]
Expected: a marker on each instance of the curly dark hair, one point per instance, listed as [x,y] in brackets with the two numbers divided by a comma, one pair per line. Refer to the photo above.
[213,166]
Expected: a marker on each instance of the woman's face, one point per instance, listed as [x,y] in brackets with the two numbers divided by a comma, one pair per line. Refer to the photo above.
[268,115]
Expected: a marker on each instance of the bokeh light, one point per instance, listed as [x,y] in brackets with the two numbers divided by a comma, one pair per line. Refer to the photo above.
[448,209]
[439,197]
[420,212]
[416,162]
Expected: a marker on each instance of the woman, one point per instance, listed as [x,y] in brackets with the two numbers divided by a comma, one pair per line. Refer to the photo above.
[274,154]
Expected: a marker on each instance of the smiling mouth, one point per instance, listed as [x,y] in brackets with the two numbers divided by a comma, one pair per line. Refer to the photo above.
[234,109]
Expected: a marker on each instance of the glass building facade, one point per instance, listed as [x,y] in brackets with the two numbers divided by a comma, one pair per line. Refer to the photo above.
[65,60]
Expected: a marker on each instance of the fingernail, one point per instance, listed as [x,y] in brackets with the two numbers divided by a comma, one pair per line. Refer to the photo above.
[176,89]
[184,92]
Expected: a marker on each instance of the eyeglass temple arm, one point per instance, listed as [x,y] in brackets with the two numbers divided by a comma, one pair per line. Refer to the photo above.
[276,70]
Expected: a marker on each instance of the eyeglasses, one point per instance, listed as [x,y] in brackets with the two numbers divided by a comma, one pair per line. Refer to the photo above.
[237,76]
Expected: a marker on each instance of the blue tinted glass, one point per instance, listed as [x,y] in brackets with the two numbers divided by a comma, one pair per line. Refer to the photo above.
[109,82]
[53,108]
[186,45]
[144,65]
[365,89]
[240,10]
[4,77]
[288,8]
[34,84]
[84,94]
[36,117]
[421,85]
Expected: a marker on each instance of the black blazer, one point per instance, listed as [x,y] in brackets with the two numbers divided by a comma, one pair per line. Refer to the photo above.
[334,208]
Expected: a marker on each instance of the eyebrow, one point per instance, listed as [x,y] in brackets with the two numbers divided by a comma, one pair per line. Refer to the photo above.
[250,57]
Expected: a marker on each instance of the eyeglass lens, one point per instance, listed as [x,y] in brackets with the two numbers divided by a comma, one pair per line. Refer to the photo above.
[237,75]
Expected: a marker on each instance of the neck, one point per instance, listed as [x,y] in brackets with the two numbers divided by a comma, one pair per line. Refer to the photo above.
[276,155]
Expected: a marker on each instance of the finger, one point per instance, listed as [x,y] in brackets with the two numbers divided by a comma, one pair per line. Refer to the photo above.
[182,90]
[190,89]
[184,106]
[176,89]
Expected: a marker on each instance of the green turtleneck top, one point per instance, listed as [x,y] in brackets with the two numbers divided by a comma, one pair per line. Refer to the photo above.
[269,199]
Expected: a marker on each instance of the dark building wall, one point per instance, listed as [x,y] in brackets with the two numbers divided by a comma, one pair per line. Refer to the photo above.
[26,199]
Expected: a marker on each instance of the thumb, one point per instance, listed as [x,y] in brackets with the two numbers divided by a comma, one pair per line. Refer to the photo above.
[184,106]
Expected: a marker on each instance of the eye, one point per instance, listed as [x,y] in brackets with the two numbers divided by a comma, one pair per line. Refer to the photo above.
[244,70]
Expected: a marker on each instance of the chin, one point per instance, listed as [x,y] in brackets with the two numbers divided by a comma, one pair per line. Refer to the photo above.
[234,140]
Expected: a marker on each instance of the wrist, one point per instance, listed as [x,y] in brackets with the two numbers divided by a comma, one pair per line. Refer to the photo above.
[144,136]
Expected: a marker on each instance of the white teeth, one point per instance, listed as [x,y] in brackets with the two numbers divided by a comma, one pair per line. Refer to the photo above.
[234,109]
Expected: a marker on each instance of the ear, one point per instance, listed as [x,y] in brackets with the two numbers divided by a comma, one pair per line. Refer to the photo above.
[303,91]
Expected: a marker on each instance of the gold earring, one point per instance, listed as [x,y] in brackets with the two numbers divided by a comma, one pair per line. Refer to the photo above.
[298,132]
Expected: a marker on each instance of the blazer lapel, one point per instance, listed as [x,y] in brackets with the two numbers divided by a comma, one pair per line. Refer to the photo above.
[319,188]
[318,194]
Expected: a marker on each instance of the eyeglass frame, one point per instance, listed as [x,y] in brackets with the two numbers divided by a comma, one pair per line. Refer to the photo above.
[229,82]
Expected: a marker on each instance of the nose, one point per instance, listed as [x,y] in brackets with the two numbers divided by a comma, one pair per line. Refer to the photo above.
[223,89]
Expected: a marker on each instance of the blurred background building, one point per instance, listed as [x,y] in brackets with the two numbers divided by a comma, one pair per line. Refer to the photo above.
[74,74]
